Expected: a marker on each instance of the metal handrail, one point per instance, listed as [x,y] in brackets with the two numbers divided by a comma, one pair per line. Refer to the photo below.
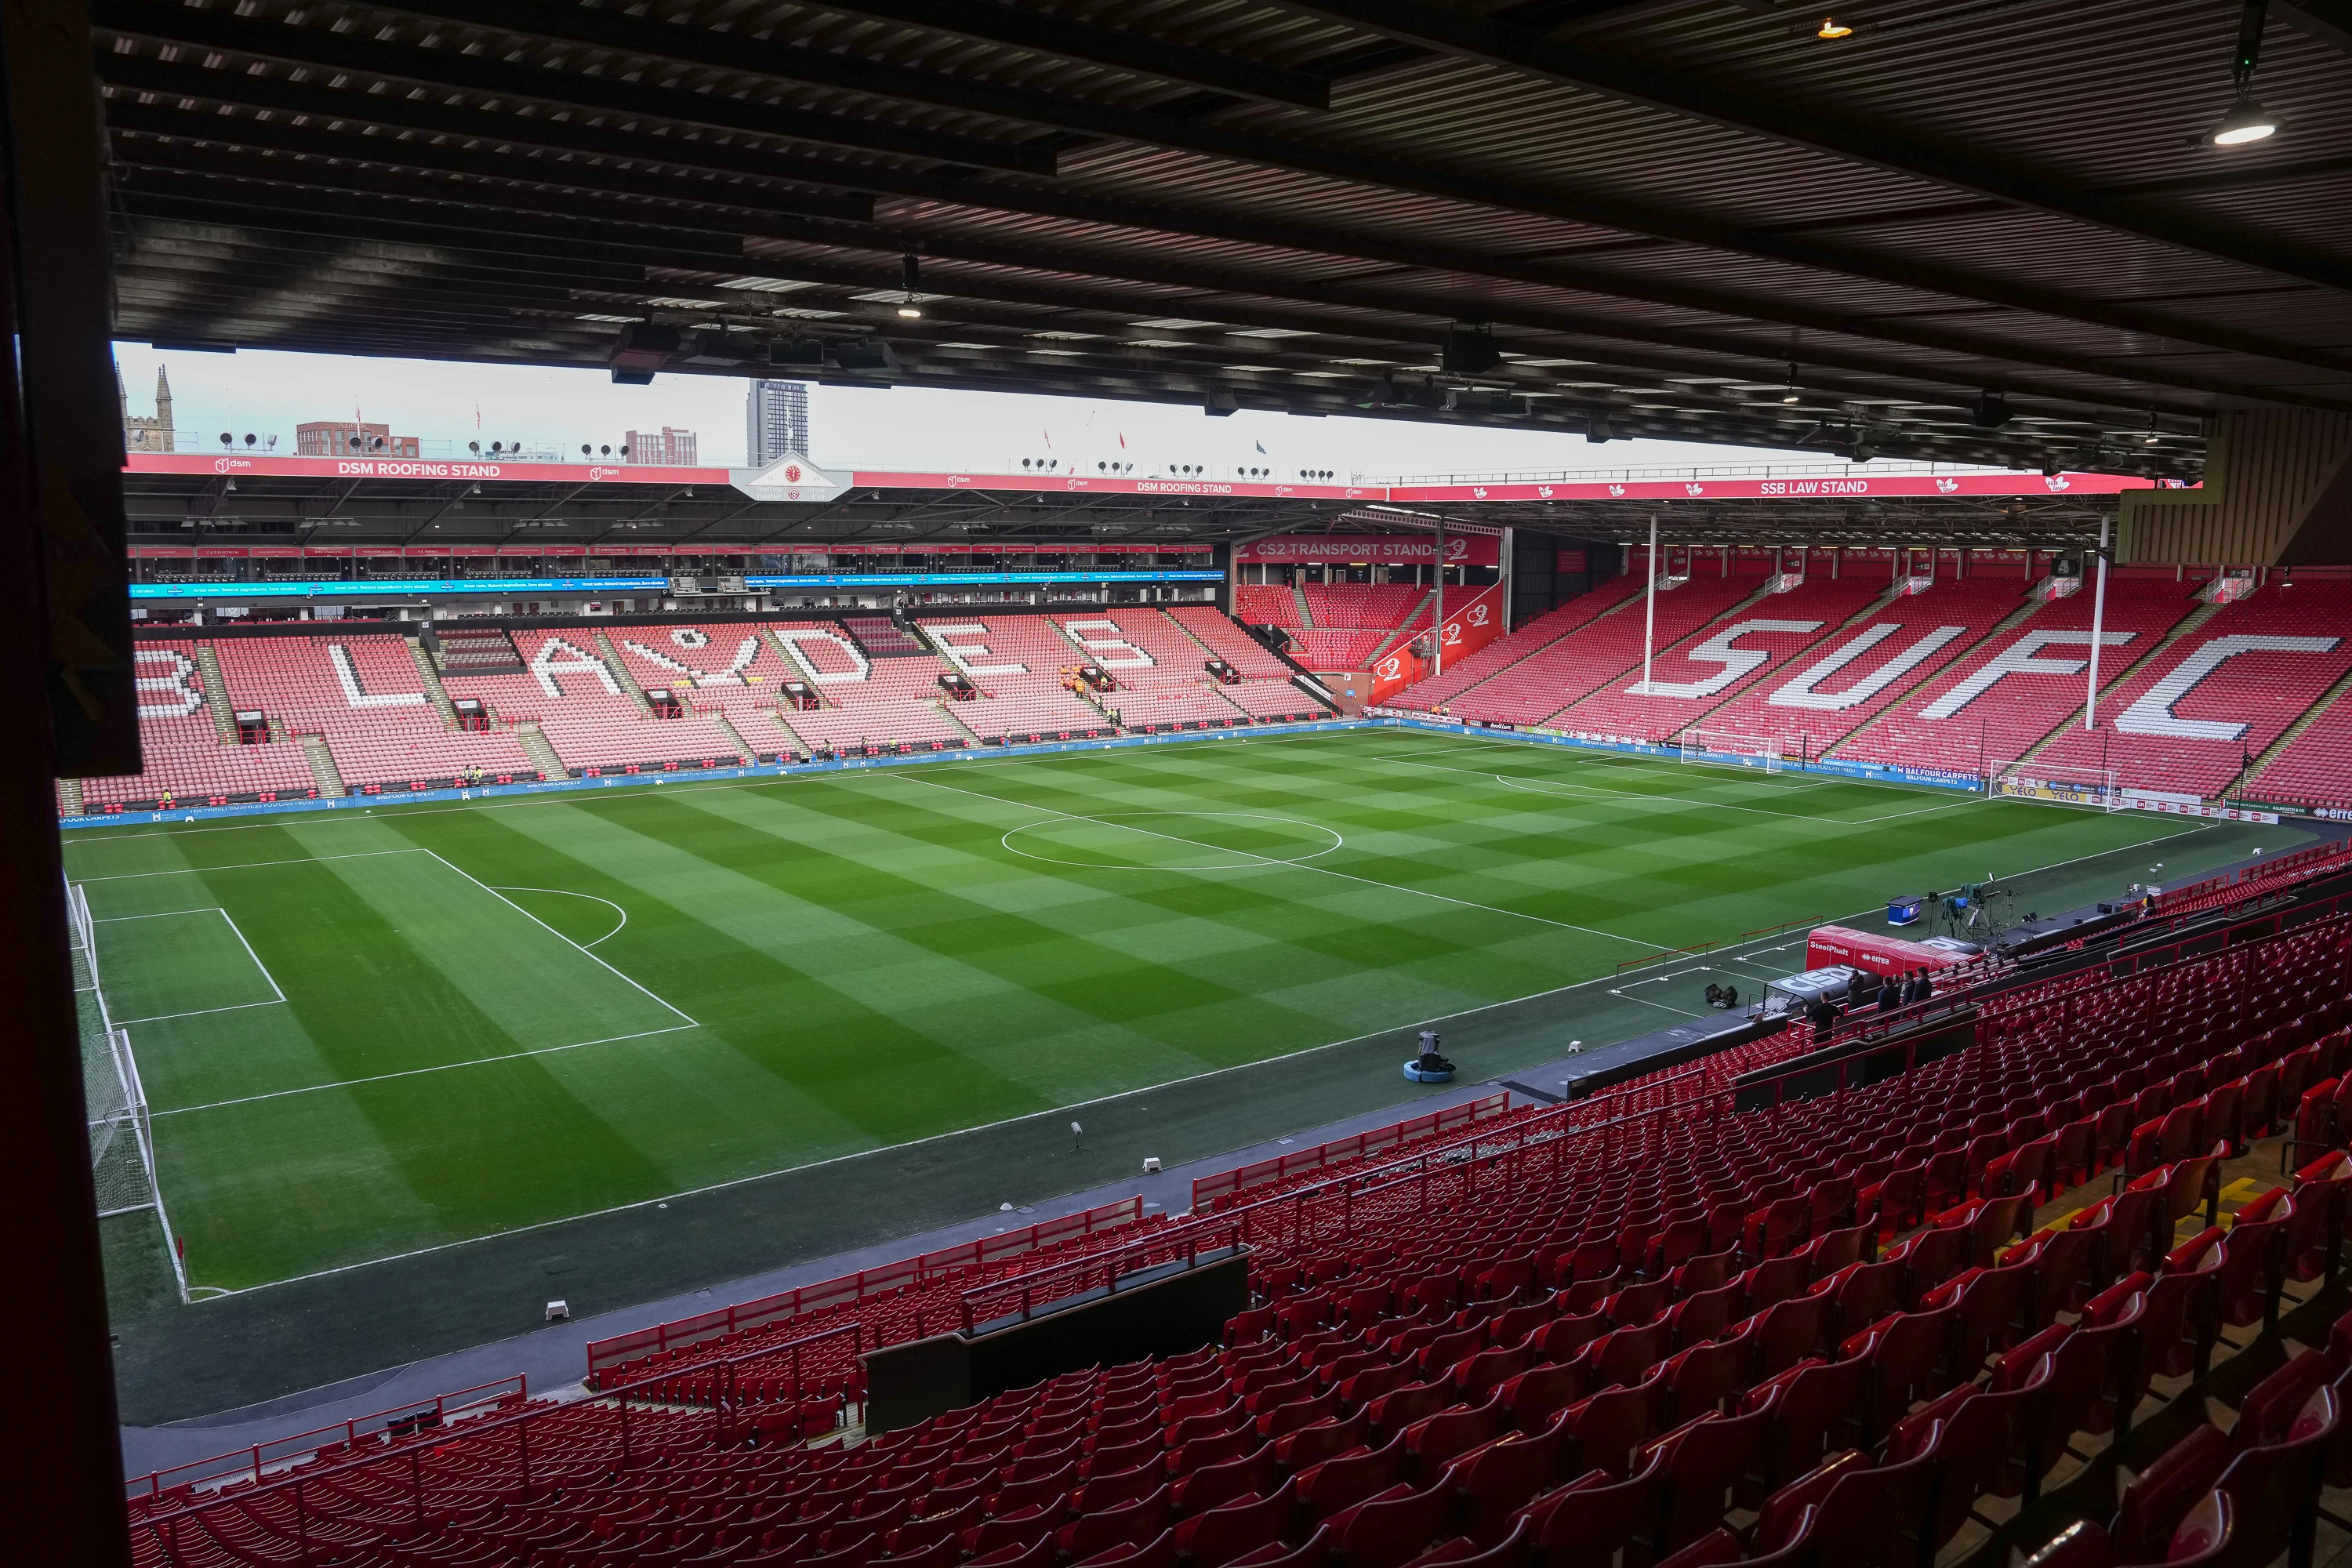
[439,1407]
[1110,1262]
[519,1422]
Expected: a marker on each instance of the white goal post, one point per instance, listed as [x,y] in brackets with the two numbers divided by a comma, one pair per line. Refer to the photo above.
[121,1139]
[2061,782]
[1765,752]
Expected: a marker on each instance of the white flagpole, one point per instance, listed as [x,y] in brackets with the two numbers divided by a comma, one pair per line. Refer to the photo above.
[1650,609]
[2098,627]
[1437,644]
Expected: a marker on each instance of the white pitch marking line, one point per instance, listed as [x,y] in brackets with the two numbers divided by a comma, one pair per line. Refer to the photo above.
[251,954]
[1320,870]
[1602,791]
[199,1012]
[972,757]
[244,866]
[568,893]
[673,1008]
[415,1072]
[1601,980]
[1620,763]
[158,915]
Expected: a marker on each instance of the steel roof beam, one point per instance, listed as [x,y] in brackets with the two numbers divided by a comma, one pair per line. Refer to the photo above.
[612,94]
[310,99]
[2329,21]
[699,45]
[1464,34]
[307,144]
[1067,37]
[392,156]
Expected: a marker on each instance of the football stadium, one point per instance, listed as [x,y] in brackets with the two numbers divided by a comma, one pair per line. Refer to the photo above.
[1310,970]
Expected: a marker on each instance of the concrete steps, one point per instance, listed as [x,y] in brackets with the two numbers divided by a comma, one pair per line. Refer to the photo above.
[323,772]
[2180,628]
[947,711]
[2016,618]
[1305,615]
[2272,752]
[216,694]
[70,799]
[540,750]
[620,672]
[1393,637]
[434,692]
[727,727]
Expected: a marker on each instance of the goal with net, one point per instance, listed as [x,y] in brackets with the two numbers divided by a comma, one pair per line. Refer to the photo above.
[1765,752]
[2066,785]
[122,1142]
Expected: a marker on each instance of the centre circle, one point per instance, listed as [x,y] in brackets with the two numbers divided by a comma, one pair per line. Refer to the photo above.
[1173,840]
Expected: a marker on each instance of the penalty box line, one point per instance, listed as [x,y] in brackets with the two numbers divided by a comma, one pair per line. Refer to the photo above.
[276,992]
[1602,794]
[1029,1115]
[414,1072]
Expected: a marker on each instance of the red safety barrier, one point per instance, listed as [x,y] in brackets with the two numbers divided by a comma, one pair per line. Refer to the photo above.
[1208,1191]
[850,1288]
[249,1462]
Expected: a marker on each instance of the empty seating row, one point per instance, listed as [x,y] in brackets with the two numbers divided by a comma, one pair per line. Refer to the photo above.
[2188,723]
[1630,1342]
[1556,675]
[1690,679]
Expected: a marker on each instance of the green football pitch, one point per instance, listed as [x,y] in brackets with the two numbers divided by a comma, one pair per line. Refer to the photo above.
[368,1034]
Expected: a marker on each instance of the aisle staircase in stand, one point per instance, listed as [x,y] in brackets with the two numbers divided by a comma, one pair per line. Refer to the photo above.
[216,693]
[2107,690]
[727,727]
[947,711]
[540,750]
[1400,634]
[323,772]
[623,673]
[2329,698]
[434,692]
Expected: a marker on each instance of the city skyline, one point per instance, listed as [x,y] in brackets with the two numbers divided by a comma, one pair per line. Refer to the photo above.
[457,408]
[775,421]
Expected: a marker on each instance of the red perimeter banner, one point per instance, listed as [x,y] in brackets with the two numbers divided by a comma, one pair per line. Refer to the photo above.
[1471,625]
[1780,489]
[1799,489]
[1361,549]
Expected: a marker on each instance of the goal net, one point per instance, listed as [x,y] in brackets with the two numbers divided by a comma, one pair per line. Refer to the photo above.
[1765,752]
[2064,784]
[121,1141]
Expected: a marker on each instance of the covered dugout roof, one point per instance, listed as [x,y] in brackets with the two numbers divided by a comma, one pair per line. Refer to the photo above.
[1656,209]
[189,498]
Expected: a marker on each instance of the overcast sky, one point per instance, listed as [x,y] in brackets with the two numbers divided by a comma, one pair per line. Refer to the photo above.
[912,429]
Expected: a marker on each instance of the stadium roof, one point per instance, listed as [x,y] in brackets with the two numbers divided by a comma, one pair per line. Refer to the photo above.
[186,497]
[1678,219]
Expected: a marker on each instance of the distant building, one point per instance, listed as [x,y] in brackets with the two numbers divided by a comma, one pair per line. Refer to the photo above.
[139,433]
[351,439]
[776,421]
[671,448]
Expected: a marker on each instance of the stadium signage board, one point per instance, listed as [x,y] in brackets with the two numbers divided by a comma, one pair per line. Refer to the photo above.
[792,478]
[395,588]
[1340,549]
[1804,488]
